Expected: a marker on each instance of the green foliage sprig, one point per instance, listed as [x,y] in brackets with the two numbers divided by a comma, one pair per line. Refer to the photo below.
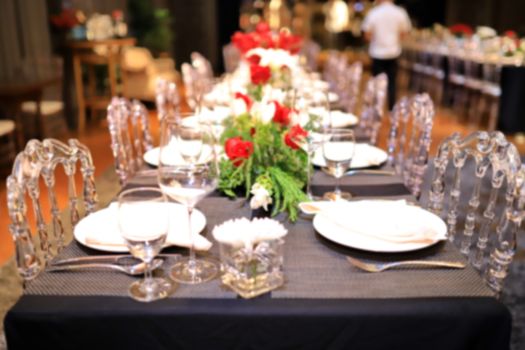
[273,164]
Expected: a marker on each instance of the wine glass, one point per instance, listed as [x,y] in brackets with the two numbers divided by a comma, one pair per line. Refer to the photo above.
[314,114]
[143,222]
[187,181]
[338,151]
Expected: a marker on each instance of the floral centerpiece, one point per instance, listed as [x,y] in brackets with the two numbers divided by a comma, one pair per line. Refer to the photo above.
[262,137]
[264,158]
[461,30]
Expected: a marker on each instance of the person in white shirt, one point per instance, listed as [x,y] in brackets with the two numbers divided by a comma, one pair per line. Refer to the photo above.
[384,27]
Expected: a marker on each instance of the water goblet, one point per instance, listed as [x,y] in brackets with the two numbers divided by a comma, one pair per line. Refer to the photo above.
[314,115]
[187,183]
[338,151]
[143,222]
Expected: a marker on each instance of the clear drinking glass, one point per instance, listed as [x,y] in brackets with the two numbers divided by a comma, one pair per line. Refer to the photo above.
[314,113]
[187,182]
[338,151]
[143,222]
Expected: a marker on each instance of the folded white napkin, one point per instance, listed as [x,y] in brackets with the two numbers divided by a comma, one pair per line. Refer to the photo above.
[102,228]
[341,119]
[390,221]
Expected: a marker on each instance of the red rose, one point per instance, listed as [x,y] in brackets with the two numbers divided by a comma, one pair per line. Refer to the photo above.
[282,114]
[262,27]
[247,100]
[244,42]
[254,59]
[511,34]
[295,133]
[259,74]
[237,150]
[289,42]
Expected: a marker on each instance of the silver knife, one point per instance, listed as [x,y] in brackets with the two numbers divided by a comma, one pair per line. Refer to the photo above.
[115,258]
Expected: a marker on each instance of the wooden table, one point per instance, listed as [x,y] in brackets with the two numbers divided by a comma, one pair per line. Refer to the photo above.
[92,53]
[18,89]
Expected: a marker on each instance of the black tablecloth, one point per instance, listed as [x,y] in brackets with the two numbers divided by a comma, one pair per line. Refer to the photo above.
[512,101]
[262,323]
[103,322]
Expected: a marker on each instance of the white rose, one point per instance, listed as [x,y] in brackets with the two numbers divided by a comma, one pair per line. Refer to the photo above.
[239,107]
[263,112]
[261,197]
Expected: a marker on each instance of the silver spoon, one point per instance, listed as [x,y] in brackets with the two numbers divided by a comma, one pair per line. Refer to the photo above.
[133,270]
[378,267]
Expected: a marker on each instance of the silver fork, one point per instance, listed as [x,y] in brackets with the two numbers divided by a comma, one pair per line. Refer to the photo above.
[378,267]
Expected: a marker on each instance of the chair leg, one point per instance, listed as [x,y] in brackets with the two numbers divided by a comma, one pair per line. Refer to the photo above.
[493,113]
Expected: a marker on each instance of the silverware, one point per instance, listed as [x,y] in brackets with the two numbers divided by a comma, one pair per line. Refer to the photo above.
[363,172]
[133,270]
[371,172]
[114,258]
[378,267]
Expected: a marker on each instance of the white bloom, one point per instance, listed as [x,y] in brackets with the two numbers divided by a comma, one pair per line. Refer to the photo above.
[243,232]
[484,32]
[239,107]
[275,58]
[261,197]
[263,111]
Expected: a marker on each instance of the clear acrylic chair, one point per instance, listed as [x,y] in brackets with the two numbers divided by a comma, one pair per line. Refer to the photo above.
[189,77]
[350,95]
[130,136]
[37,161]
[478,187]
[409,139]
[167,98]
[202,66]
[311,50]
[231,56]
[373,110]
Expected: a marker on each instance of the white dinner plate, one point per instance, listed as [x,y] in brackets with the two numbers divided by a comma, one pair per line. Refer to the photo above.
[341,119]
[151,157]
[100,230]
[356,225]
[365,156]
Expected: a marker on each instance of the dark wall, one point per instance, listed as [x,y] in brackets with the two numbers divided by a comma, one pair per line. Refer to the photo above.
[203,26]
[499,14]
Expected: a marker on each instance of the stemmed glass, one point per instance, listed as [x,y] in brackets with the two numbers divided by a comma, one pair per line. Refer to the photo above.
[314,113]
[187,182]
[338,151]
[143,222]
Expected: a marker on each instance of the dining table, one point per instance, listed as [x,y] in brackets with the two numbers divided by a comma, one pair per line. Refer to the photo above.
[324,303]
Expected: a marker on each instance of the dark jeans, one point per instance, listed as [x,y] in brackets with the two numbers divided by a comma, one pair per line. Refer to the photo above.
[390,68]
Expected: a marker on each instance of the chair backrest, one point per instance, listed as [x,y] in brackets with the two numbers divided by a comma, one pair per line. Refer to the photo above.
[202,65]
[409,139]
[232,57]
[311,50]
[189,77]
[130,136]
[373,110]
[350,94]
[39,160]
[167,98]
[481,223]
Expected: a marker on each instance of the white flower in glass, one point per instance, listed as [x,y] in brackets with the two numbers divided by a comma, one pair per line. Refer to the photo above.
[261,197]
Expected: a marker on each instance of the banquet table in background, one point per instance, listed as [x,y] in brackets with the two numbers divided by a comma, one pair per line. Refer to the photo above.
[324,304]
[511,82]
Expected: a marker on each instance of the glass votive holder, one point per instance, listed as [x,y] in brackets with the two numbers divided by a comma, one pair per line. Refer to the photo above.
[254,270]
